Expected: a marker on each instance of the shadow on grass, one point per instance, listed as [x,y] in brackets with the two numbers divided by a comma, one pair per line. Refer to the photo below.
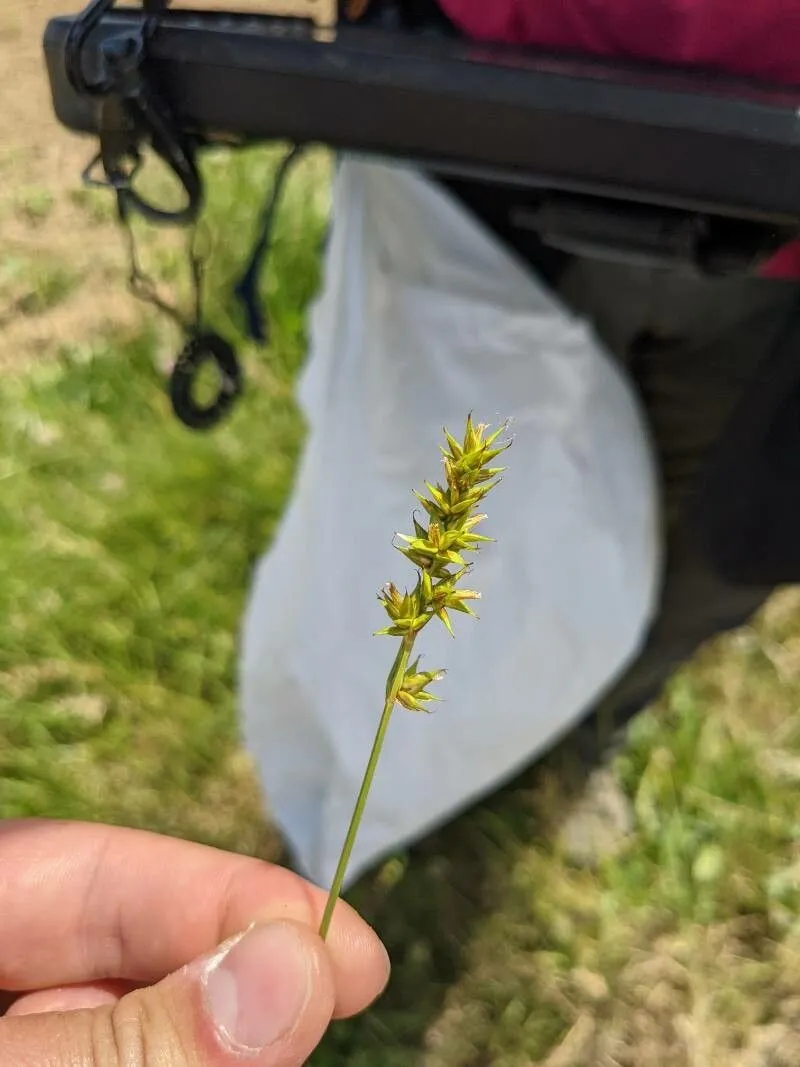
[447,913]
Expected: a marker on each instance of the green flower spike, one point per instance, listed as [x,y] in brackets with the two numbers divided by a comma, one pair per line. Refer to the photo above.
[437,551]
[413,693]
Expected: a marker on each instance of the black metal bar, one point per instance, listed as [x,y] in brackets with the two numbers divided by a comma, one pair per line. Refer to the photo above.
[506,115]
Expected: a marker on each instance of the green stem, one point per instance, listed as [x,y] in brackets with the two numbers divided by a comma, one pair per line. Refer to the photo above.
[394,682]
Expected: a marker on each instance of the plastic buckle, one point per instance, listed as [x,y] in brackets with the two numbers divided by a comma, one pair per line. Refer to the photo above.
[131,114]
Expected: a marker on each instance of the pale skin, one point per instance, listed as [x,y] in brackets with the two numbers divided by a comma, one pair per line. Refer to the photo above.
[110,953]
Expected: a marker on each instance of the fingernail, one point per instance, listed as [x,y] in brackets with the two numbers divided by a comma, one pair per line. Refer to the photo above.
[256,989]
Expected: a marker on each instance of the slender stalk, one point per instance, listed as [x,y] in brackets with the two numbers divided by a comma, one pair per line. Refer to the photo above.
[394,682]
[435,550]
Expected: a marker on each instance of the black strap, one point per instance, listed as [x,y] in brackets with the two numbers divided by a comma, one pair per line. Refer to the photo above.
[78,35]
[247,288]
[131,112]
[150,117]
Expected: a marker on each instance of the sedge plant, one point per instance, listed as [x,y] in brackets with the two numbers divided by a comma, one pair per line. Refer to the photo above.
[437,549]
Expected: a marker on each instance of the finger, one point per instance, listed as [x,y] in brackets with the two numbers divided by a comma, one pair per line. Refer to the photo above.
[69,998]
[124,904]
[264,999]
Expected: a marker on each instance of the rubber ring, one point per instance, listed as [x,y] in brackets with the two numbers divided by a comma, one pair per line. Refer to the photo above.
[200,350]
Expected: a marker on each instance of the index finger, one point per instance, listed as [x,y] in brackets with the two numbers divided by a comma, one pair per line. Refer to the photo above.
[80,902]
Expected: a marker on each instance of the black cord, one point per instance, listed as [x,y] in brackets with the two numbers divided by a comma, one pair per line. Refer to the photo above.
[247,288]
[143,287]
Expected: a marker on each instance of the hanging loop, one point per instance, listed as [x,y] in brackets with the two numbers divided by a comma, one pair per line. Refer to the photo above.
[134,113]
[131,113]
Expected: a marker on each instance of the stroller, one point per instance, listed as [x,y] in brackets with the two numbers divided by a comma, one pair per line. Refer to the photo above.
[648,199]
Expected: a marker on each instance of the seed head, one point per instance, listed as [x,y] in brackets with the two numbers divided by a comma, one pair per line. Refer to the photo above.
[437,547]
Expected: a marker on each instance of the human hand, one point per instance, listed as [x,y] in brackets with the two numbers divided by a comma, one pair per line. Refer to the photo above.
[125,949]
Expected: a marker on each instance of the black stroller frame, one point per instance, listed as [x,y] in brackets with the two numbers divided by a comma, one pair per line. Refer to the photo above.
[661,164]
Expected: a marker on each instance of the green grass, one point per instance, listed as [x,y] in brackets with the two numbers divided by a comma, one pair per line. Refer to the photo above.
[127,548]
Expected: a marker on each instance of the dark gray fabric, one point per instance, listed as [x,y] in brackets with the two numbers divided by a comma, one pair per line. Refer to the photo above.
[693,348]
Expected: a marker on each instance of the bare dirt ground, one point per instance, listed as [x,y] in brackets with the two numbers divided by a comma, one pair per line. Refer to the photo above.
[61,261]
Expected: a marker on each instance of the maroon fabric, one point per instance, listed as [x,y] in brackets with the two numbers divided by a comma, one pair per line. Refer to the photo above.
[758,38]
[755,37]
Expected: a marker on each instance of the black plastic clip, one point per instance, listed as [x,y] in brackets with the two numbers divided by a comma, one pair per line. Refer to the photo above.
[79,33]
[131,113]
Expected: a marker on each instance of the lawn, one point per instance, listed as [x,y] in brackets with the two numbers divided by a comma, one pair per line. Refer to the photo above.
[127,547]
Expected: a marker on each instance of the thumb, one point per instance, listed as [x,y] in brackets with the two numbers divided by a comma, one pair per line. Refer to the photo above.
[266,997]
